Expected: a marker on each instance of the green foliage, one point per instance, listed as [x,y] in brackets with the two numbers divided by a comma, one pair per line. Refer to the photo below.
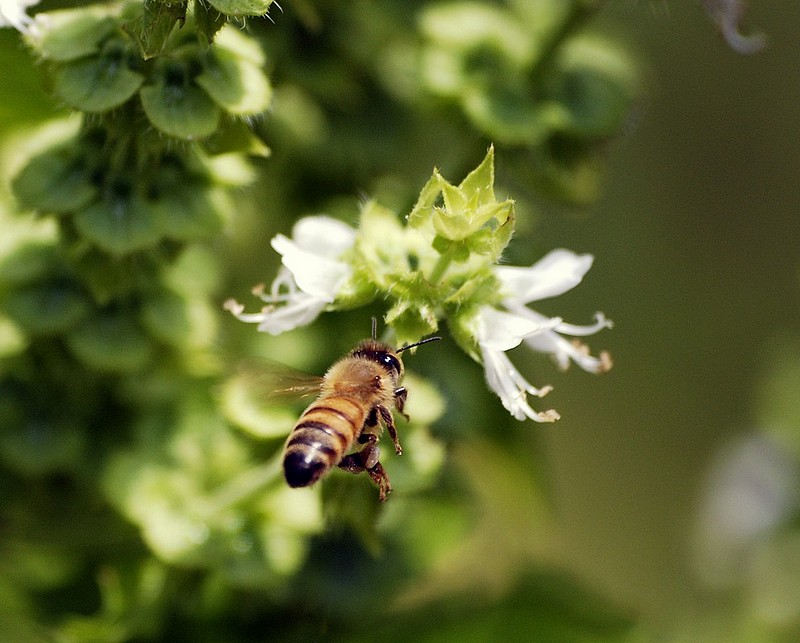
[141,483]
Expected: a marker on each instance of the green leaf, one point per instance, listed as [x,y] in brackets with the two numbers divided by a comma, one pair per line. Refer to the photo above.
[73,33]
[241,7]
[120,223]
[97,84]
[111,342]
[55,182]
[46,309]
[184,111]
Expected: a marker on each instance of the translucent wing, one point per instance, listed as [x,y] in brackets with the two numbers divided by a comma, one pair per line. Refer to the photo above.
[258,398]
[278,382]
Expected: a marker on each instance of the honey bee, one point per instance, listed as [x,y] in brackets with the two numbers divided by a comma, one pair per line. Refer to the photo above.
[356,396]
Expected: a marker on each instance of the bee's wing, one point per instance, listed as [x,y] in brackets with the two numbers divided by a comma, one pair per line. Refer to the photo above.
[279,382]
[258,397]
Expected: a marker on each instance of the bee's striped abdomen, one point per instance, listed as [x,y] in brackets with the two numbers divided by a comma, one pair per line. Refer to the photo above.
[320,439]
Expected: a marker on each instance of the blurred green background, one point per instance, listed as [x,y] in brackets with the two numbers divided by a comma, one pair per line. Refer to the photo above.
[695,241]
[696,261]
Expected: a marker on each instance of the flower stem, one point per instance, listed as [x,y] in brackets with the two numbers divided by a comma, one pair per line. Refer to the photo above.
[441,266]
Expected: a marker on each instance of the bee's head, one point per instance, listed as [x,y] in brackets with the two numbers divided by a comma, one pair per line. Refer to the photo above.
[382,354]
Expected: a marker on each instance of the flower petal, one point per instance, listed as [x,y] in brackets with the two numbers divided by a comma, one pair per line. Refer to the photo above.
[323,236]
[557,272]
[314,274]
[506,381]
[501,331]
[301,310]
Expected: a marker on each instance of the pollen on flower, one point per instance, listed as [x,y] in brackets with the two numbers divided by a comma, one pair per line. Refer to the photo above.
[233,306]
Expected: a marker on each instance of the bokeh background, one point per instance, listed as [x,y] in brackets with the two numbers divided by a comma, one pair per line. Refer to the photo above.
[695,238]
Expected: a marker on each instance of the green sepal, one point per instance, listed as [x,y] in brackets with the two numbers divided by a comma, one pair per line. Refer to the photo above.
[235,135]
[208,19]
[188,212]
[54,181]
[235,83]
[73,33]
[111,342]
[99,83]
[110,277]
[120,223]
[411,322]
[46,309]
[180,110]
[29,261]
[241,7]
[421,213]
[152,28]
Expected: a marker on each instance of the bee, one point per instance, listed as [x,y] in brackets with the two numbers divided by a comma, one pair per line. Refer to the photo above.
[356,395]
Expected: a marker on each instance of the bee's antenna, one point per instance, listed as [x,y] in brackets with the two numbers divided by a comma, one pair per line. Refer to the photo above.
[419,343]
[374,328]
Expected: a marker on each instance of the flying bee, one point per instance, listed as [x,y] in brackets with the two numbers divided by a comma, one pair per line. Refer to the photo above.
[356,396]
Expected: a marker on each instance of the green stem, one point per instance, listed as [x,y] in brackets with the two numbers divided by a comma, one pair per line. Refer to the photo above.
[441,267]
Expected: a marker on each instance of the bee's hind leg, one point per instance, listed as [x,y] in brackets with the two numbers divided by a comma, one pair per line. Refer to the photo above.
[367,460]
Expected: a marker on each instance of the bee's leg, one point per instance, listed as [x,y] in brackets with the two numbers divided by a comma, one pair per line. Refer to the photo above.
[367,460]
[388,420]
[400,397]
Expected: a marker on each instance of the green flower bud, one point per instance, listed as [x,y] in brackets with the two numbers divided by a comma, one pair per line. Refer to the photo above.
[470,216]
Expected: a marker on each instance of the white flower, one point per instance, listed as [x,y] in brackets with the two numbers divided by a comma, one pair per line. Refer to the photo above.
[12,14]
[309,279]
[498,331]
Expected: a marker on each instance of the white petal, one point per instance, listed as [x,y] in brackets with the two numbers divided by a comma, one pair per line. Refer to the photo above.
[12,14]
[556,273]
[300,311]
[314,274]
[323,236]
[505,380]
[501,331]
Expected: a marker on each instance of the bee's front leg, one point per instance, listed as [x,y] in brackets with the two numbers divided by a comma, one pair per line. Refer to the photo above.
[388,420]
[368,460]
[400,397]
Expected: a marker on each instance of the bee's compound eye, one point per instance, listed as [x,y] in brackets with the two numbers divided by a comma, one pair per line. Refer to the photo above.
[392,362]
